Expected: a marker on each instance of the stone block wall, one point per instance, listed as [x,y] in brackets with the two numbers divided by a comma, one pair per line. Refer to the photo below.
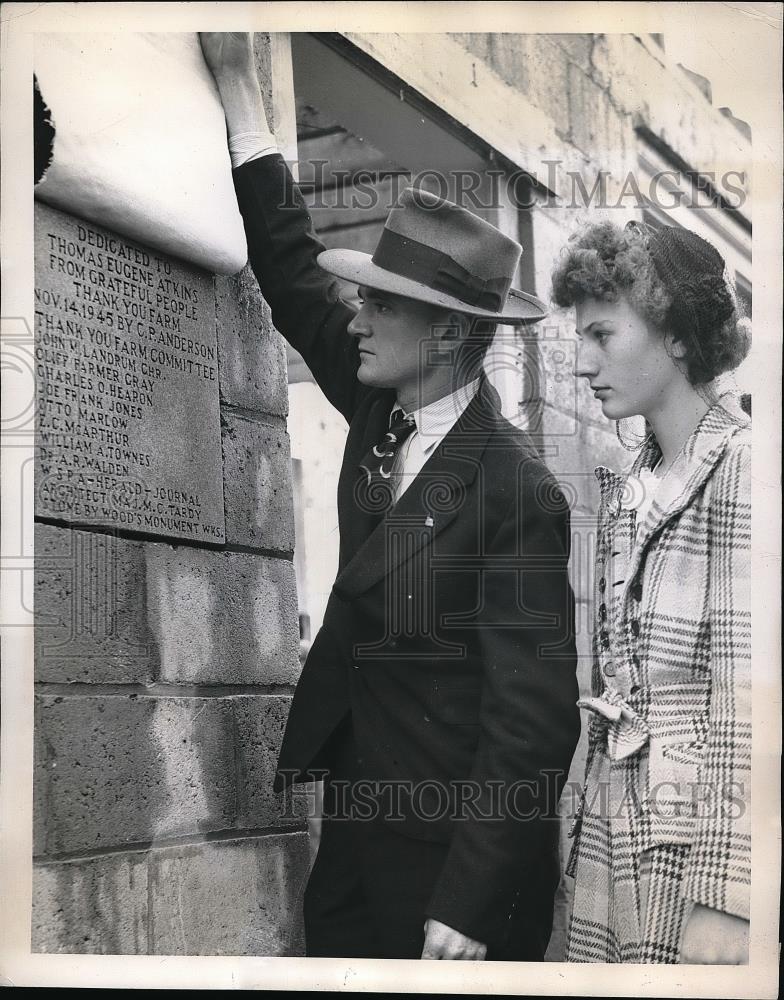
[164,672]
[163,676]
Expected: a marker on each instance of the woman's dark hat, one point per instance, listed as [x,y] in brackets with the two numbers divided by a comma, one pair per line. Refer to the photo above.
[693,273]
[435,251]
[681,256]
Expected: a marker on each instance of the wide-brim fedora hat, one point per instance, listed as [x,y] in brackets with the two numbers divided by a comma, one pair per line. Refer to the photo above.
[435,251]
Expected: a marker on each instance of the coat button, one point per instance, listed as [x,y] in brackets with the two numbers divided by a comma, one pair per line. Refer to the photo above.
[605,639]
[603,611]
[637,591]
[609,669]
[635,626]
[602,584]
[636,661]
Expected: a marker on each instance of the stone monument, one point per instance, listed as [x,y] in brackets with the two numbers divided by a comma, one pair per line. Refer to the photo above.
[165,603]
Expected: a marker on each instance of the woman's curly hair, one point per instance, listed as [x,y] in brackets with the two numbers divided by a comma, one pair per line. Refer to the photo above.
[673,278]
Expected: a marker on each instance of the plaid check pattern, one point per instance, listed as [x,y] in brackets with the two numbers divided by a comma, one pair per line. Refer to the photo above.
[669,727]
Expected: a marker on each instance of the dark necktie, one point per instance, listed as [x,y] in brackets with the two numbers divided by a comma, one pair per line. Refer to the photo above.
[378,462]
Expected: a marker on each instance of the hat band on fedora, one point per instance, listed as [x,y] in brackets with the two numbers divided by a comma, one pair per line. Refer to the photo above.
[410,259]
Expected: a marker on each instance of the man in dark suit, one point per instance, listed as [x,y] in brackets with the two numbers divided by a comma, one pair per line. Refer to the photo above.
[439,695]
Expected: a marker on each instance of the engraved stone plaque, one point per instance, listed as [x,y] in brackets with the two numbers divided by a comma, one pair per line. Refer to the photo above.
[127,380]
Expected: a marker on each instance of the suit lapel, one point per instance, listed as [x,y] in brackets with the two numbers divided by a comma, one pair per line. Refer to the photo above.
[358,519]
[430,503]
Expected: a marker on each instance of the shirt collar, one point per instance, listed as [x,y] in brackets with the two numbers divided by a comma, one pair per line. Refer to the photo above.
[435,420]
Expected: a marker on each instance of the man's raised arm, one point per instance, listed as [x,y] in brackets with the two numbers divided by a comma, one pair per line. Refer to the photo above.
[281,242]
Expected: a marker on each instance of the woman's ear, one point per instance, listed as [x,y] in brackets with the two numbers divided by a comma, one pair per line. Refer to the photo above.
[675,346]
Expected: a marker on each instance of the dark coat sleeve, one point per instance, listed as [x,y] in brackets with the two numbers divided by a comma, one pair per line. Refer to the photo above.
[528,715]
[306,309]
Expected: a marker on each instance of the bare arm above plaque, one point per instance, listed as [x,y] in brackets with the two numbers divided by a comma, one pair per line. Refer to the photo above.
[229,56]
[282,243]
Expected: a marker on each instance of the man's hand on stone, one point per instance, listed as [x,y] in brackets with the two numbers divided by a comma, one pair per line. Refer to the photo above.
[229,56]
[227,53]
[444,942]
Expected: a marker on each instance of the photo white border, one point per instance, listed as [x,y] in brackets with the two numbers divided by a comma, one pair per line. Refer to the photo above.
[18,967]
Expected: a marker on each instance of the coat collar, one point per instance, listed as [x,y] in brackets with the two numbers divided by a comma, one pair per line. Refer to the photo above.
[695,463]
[430,503]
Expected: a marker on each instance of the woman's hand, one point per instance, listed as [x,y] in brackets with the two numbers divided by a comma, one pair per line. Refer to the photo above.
[714,938]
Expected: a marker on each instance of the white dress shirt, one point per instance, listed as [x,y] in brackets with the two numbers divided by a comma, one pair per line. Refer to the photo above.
[433,423]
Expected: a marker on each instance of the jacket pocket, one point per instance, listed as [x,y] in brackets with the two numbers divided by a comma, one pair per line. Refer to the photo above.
[672,795]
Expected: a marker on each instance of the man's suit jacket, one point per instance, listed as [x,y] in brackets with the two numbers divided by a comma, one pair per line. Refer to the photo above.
[448,634]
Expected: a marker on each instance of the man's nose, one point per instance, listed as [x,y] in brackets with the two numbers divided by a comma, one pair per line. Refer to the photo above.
[358,326]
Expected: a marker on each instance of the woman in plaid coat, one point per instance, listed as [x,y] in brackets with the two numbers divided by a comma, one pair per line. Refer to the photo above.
[661,850]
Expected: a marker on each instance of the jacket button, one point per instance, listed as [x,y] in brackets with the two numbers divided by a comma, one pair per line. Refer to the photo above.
[609,668]
[602,584]
[637,591]
[636,661]
[635,626]
[605,639]
[602,611]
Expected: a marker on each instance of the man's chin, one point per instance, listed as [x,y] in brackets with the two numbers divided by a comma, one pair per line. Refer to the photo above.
[367,376]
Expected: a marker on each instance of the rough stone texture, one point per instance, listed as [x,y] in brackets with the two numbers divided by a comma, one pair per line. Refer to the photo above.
[97,906]
[577,47]
[534,65]
[639,80]
[547,79]
[251,352]
[573,449]
[120,770]
[40,789]
[109,610]
[230,898]
[116,772]
[589,110]
[222,617]
[259,727]
[90,619]
[257,483]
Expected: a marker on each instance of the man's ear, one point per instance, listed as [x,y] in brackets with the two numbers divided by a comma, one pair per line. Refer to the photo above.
[454,326]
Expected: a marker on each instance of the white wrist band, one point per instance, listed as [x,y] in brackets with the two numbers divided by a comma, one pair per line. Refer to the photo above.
[246,146]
